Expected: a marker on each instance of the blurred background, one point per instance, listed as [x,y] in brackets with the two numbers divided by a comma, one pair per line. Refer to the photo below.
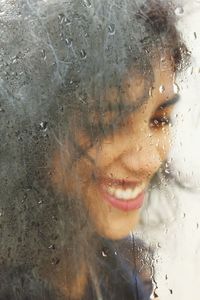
[174,216]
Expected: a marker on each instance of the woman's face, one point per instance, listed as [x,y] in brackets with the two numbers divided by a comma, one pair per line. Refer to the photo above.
[113,182]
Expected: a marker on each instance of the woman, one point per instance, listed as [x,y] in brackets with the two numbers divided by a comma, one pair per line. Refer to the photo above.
[91,86]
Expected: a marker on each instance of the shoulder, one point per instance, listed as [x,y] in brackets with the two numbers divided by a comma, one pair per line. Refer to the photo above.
[137,258]
[129,265]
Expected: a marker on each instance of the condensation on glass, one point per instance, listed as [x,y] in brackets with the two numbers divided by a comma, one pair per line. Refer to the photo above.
[99,174]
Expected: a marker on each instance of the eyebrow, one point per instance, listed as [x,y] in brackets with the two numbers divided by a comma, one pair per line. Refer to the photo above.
[133,107]
[169,102]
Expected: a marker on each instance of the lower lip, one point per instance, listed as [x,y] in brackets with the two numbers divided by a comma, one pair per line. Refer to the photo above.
[124,205]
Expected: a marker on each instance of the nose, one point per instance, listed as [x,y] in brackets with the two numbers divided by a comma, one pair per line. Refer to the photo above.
[143,154]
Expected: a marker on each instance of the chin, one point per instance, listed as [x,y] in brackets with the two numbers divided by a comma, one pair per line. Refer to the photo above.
[119,229]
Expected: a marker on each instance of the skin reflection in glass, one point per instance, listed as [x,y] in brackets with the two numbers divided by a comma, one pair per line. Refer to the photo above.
[91,87]
[113,178]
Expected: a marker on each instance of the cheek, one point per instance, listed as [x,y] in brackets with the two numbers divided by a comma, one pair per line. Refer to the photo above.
[164,143]
[70,178]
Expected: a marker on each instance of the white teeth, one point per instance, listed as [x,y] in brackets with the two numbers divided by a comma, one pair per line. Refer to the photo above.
[125,194]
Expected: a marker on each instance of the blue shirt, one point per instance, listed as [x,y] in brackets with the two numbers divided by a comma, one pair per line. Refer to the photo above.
[118,277]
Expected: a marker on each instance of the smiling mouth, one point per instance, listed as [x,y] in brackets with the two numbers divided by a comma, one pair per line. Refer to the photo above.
[123,195]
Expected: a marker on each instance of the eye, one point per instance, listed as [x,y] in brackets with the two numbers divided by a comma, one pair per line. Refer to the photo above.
[162,115]
[160,121]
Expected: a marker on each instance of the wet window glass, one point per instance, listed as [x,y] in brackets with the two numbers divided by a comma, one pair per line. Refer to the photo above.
[99,120]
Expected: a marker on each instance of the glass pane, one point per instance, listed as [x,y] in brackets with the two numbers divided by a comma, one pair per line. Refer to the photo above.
[99,172]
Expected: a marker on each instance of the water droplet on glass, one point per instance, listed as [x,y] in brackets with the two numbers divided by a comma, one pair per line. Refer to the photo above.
[176,88]
[61,18]
[155,122]
[167,164]
[68,42]
[43,126]
[103,254]
[191,70]
[154,286]
[19,138]
[83,54]
[67,21]
[161,89]
[55,261]
[44,54]
[150,91]
[138,148]
[87,3]
[158,245]
[52,247]
[2,12]
[179,11]
[111,29]
[163,59]
[14,59]
[167,170]
[83,98]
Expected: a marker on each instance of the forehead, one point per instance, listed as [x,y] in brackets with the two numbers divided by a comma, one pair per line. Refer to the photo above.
[137,88]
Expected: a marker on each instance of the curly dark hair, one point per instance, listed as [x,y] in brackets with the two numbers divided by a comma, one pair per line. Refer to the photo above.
[57,59]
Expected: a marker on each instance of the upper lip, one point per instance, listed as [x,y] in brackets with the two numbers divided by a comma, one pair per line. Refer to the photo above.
[121,183]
